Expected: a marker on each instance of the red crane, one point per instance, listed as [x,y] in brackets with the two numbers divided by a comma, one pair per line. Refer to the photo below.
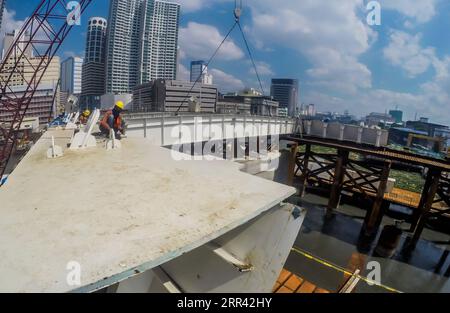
[43,33]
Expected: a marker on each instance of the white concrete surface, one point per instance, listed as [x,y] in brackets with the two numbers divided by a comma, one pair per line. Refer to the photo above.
[115,211]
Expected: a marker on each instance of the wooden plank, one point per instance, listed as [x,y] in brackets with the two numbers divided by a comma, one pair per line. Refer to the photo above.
[307,287]
[284,289]
[284,276]
[293,282]
[276,287]
[320,290]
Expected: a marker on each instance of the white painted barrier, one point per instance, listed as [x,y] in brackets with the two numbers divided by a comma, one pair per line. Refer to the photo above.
[169,130]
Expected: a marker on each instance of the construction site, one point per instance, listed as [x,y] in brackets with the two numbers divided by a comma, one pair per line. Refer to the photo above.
[190,202]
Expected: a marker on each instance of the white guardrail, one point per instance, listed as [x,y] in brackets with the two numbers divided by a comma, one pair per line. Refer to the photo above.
[166,130]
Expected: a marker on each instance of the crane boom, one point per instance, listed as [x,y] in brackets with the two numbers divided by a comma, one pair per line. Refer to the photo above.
[28,59]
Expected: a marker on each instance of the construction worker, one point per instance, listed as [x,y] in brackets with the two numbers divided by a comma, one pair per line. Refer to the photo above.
[85,117]
[113,120]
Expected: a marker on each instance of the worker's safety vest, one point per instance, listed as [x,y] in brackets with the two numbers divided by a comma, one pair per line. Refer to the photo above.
[117,121]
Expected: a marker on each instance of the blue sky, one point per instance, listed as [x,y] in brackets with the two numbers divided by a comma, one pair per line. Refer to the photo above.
[342,62]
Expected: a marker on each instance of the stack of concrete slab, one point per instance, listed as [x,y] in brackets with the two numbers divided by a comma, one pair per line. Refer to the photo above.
[352,133]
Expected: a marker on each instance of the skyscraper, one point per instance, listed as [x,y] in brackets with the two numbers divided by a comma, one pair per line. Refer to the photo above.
[93,78]
[142,43]
[71,72]
[200,69]
[122,55]
[286,92]
[397,115]
[160,40]
[42,104]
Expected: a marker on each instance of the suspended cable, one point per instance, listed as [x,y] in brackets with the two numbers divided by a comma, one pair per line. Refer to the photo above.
[207,65]
[251,57]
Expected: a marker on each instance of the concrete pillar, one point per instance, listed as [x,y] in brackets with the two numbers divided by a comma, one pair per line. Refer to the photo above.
[325,128]
[342,131]
[360,134]
[308,127]
[379,134]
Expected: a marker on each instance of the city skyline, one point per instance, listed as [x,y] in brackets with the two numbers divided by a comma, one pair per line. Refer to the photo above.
[363,69]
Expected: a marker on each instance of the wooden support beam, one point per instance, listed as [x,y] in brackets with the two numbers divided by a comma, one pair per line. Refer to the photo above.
[292,162]
[423,198]
[442,261]
[374,216]
[304,176]
[336,188]
[429,200]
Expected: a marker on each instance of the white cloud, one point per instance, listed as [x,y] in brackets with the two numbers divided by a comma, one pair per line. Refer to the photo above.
[9,23]
[199,41]
[421,11]
[405,50]
[225,81]
[72,54]
[331,35]
[195,5]
[264,69]
[191,5]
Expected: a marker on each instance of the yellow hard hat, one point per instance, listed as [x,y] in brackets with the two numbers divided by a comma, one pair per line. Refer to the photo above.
[120,105]
[86,113]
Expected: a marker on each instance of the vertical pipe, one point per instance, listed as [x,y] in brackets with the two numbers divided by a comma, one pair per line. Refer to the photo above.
[145,128]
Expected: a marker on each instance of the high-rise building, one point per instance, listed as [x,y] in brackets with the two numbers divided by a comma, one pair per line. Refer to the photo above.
[42,105]
[286,92]
[123,38]
[8,41]
[94,65]
[160,40]
[162,95]
[20,75]
[71,73]
[25,71]
[2,8]
[199,73]
[142,43]
[397,115]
